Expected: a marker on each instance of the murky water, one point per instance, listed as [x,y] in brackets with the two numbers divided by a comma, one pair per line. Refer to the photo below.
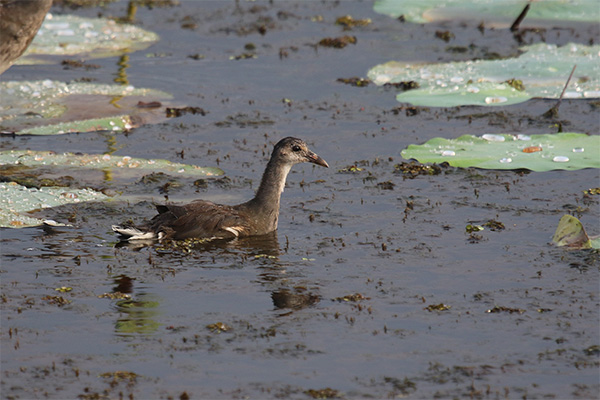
[371,287]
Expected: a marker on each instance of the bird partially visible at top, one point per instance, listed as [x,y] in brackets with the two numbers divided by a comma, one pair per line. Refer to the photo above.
[206,220]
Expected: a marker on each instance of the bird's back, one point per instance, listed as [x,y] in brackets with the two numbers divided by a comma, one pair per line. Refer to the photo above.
[199,219]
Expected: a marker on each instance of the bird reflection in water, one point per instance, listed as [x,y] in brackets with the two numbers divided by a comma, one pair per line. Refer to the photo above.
[263,250]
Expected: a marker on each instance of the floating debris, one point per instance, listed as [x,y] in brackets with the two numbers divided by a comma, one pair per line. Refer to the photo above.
[350,169]
[218,327]
[413,169]
[57,300]
[351,297]
[473,228]
[115,296]
[515,83]
[178,112]
[437,307]
[326,393]
[355,81]
[348,22]
[243,56]
[338,42]
[499,309]
[532,149]
[118,376]
[494,225]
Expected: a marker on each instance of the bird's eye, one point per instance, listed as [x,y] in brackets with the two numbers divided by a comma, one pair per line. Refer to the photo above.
[296,148]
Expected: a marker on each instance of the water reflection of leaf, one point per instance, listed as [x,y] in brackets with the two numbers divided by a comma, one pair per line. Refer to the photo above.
[139,315]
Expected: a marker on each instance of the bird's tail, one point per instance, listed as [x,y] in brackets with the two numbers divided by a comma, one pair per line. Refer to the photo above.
[132,233]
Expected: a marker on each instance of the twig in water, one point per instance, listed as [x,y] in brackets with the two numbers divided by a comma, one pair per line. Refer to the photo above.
[520,18]
[553,112]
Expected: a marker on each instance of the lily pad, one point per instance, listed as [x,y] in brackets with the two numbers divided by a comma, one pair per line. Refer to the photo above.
[16,200]
[569,151]
[542,70]
[506,11]
[62,35]
[52,107]
[119,166]
[570,233]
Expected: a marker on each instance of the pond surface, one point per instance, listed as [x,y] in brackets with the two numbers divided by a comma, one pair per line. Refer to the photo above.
[371,287]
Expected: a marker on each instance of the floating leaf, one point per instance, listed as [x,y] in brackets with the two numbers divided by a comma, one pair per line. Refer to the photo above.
[570,233]
[116,124]
[568,151]
[542,70]
[16,199]
[120,166]
[87,37]
[51,107]
[419,11]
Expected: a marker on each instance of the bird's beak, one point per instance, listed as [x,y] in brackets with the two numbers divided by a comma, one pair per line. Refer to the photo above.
[315,159]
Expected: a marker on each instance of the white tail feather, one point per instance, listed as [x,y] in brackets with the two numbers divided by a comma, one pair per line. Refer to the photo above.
[133,233]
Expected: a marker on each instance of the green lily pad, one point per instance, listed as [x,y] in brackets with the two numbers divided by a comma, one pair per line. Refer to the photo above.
[570,233]
[119,166]
[62,35]
[569,151]
[543,70]
[506,11]
[52,107]
[119,123]
[16,200]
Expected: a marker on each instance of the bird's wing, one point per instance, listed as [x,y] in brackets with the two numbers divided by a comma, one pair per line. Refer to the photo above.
[199,219]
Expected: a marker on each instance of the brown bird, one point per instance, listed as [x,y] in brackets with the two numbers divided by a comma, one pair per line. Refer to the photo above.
[204,219]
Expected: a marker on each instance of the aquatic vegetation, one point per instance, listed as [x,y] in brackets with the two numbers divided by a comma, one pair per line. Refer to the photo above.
[16,199]
[540,71]
[568,151]
[571,233]
[87,38]
[52,108]
[422,12]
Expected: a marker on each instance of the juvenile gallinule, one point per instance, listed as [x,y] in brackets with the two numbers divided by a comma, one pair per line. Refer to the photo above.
[204,219]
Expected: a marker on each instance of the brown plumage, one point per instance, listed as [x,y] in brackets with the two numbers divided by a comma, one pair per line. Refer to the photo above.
[204,219]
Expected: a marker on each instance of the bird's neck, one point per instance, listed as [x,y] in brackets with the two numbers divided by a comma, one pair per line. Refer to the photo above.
[272,184]
[265,204]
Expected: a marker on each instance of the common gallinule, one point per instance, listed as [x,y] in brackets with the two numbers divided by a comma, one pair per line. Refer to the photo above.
[204,219]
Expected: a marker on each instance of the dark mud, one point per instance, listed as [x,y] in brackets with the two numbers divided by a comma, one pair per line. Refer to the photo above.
[371,288]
